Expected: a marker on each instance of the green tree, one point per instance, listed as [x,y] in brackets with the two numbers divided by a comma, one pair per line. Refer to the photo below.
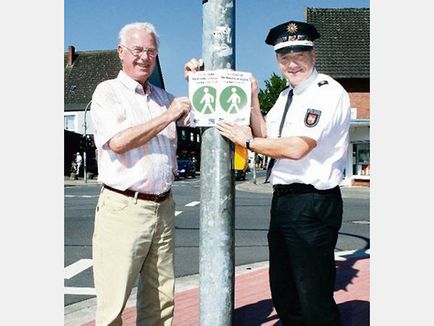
[273,87]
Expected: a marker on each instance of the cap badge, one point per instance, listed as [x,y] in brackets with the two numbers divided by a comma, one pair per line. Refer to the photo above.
[292,28]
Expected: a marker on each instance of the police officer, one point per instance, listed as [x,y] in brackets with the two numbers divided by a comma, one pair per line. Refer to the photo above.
[306,135]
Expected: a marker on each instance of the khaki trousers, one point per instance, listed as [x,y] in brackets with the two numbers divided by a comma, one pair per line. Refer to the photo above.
[134,239]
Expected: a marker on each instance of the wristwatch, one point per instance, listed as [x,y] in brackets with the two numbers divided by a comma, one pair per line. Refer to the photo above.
[248,142]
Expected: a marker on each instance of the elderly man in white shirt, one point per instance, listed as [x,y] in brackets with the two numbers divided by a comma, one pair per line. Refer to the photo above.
[135,134]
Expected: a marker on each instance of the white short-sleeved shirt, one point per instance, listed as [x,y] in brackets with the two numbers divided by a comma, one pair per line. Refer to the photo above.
[320,109]
[117,105]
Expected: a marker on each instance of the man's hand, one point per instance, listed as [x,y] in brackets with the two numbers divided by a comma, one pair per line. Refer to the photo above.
[236,133]
[254,85]
[254,95]
[179,109]
[192,66]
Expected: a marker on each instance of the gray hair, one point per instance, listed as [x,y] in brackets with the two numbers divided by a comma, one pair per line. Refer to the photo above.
[144,26]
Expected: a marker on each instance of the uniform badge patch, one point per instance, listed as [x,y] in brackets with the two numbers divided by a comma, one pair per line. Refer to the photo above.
[312,117]
[322,82]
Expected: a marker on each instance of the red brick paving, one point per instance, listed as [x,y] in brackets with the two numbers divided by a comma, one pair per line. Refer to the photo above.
[253,306]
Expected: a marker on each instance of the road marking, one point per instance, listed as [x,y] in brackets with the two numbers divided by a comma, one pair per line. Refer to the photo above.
[76,268]
[79,291]
[193,203]
[81,196]
[360,222]
[177,213]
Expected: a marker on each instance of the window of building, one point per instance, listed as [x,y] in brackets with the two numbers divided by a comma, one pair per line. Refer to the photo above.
[353,113]
[183,134]
[361,154]
[69,122]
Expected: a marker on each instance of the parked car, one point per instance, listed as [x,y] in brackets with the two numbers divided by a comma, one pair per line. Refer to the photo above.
[186,168]
[240,175]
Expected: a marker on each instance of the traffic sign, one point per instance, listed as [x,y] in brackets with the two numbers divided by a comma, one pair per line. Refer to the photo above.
[219,95]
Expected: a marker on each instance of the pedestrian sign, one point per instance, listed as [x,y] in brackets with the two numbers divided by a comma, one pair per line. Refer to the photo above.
[233,99]
[204,100]
[219,95]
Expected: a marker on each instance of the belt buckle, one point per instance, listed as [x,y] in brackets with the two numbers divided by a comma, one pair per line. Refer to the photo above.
[159,197]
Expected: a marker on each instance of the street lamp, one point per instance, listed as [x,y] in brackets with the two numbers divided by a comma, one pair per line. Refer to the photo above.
[85,143]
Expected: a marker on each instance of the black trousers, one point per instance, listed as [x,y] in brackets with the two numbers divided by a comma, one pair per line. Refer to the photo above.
[302,238]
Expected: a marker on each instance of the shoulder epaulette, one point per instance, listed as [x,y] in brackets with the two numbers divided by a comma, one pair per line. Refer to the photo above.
[322,82]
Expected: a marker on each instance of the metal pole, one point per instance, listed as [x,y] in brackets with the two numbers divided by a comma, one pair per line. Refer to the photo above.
[254,168]
[217,210]
[85,144]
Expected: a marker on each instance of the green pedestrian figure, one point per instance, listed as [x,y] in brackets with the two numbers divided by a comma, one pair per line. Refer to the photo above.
[235,100]
[208,99]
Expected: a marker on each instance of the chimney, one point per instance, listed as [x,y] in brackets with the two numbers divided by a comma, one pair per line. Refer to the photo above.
[71,55]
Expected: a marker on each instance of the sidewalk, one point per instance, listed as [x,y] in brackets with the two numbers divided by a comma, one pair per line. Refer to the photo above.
[253,304]
[78,182]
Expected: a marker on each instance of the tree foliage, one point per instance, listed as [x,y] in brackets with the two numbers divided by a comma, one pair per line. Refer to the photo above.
[273,87]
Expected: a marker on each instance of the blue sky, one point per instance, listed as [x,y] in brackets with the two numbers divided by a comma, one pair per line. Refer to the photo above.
[94,25]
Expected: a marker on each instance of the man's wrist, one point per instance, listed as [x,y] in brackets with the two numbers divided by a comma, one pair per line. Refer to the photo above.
[249,142]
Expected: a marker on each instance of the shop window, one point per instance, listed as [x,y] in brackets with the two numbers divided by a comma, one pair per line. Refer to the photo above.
[362,163]
[69,122]
[353,113]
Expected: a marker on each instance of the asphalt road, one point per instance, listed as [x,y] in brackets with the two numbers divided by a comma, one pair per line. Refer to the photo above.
[251,223]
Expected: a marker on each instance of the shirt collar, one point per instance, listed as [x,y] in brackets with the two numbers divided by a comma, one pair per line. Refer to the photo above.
[133,85]
[305,84]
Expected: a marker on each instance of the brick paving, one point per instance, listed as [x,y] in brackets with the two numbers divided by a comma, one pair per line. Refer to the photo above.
[253,305]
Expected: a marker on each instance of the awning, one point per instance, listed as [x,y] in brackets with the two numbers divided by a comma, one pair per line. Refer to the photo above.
[360,123]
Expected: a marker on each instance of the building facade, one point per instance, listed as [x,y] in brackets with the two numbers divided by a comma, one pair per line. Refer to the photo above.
[343,53]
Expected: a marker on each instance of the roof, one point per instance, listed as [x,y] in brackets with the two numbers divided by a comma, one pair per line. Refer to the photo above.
[89,69]
[343,48]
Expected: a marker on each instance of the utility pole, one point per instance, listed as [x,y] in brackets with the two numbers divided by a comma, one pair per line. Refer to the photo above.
[217,209]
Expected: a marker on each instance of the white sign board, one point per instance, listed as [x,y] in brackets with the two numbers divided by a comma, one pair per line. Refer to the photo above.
[218,95]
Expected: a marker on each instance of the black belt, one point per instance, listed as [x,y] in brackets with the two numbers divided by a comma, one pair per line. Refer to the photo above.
[131,193]
[301,188]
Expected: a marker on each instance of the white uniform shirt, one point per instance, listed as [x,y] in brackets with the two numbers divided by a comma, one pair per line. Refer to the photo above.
[320,109]
[117,105]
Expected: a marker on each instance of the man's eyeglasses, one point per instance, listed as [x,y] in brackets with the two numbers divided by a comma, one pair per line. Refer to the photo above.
[139,51]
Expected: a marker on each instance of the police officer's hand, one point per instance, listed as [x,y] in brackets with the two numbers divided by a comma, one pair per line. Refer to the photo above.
[254,94]
[254,85]
[234,132]
[179,109]
[192,66]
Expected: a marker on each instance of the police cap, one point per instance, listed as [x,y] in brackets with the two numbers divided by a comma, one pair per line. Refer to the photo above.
[292,36]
